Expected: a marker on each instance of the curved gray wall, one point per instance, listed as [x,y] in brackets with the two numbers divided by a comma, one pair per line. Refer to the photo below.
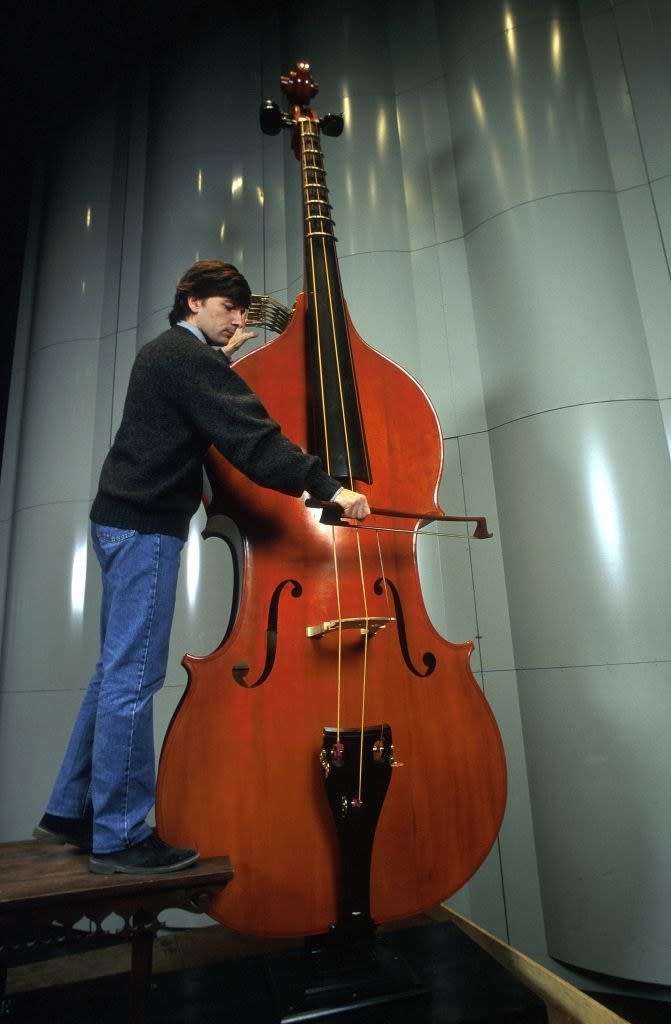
[502,194]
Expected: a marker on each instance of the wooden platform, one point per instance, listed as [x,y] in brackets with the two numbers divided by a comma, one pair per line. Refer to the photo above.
[45,890]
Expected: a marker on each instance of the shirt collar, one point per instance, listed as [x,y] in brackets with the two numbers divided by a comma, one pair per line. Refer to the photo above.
[194,330]
[201,337]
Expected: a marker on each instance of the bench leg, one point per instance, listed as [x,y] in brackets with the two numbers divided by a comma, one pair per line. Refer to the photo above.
[140,969]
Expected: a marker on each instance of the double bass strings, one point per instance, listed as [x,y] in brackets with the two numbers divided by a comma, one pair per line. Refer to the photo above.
[334,548]
[403,529]
[365,667]
[308,135]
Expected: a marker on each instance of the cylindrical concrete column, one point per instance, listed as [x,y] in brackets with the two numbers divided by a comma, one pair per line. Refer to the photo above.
[581,473]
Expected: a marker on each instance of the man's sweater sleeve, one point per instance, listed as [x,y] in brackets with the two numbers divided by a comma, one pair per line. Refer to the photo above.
[236,422]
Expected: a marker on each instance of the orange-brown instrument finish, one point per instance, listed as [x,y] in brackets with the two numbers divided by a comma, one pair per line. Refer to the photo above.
[329,630]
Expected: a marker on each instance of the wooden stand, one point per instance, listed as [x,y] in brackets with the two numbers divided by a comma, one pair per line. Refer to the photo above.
[345,971]
[45,890]
[333,981]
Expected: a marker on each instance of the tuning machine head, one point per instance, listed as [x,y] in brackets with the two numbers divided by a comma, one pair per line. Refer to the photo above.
[271,118]
[332,124]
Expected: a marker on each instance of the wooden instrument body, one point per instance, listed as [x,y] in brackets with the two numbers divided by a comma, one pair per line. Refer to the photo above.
[240,769]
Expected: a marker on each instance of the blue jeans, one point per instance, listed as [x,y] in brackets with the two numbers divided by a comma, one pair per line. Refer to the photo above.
[109,762]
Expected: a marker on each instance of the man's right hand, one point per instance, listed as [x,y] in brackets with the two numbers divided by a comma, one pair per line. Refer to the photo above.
[354,505]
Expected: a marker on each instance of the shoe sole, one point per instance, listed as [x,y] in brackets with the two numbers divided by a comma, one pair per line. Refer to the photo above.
[101,867]
[43,835]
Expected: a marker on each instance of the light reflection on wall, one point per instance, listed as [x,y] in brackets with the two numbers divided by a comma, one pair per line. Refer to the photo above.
[199,181]
[349,187]
[521,126]
[509,26]
[399,128]
[381,132]
[372,186]
[605,513]
[481,117]
[520,121]
[88,221]
[478,106]
[78,580]
[192,565]
[347,115]
[556,47]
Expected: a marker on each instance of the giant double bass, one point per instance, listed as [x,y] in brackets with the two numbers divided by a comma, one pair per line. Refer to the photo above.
[334,744]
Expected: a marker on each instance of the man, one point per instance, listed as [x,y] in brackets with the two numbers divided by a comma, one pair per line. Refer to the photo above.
[182,397]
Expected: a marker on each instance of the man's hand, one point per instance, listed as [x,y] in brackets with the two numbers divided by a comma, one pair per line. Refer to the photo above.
[237,340]
[355,505]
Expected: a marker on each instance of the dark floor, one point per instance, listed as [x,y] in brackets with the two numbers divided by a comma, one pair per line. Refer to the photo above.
[636,1009]
[429,973]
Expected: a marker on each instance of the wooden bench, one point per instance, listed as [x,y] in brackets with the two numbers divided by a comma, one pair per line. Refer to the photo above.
[46,889]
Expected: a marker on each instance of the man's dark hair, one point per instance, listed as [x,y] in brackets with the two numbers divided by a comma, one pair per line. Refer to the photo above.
[204,279]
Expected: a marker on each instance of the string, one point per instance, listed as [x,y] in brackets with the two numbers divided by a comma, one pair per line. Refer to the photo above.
[362,580]
[334,547]
[382,572]
[305,133]
[365,667]
[322,388]
[308,132]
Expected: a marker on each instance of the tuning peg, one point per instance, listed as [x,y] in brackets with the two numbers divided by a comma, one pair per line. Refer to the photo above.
[332,124]
[270,118]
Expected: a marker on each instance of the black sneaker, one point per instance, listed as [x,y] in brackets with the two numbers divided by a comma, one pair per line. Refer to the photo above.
[76,831]
[150,857]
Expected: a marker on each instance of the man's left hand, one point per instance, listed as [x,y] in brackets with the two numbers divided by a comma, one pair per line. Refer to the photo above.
[237,340]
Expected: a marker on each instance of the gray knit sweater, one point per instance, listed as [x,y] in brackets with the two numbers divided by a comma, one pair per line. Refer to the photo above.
[182,397]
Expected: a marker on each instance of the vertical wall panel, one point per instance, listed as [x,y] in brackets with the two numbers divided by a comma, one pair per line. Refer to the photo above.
[203,174]
[644,38]
[611,806]
[557,324]
[627,52]
[51,612]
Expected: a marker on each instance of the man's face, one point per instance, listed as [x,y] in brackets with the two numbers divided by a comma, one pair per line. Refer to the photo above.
[217,316]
